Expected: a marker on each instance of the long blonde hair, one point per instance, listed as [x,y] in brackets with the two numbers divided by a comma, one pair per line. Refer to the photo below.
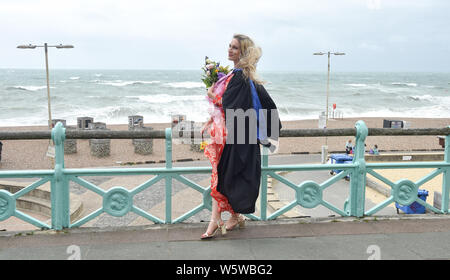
[250,55]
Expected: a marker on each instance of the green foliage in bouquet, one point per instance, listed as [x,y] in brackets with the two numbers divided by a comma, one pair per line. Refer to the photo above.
[213,72]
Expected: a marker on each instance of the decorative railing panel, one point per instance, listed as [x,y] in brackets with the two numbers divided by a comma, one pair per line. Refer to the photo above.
[118,201]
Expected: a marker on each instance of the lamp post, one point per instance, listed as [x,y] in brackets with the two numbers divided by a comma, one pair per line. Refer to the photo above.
[328,79]
[45,46]
[325,148]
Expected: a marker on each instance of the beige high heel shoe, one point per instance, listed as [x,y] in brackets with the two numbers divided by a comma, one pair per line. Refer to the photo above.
[220,227]
[241,223]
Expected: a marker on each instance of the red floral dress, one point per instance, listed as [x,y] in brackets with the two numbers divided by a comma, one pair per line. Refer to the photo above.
[214,149]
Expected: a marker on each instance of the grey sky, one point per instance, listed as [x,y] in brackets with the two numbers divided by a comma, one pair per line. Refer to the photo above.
[377,35]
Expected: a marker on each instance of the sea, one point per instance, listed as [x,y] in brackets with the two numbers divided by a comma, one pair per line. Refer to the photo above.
[111,96]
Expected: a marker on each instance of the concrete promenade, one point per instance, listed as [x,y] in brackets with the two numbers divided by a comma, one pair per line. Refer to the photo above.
[412,237]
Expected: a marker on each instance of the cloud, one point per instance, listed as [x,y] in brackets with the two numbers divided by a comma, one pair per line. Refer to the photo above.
[177,34]
[374,4]
[370,46]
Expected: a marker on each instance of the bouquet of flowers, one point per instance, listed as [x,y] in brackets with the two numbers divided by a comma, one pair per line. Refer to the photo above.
[213,72]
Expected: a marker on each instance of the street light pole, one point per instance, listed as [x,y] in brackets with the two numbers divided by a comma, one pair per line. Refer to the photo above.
[48,88]
[328,90]
[328,80]
[45,46]
[325,148]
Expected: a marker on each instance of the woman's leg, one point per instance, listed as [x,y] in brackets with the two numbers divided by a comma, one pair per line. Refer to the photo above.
[215,217]
[233,221]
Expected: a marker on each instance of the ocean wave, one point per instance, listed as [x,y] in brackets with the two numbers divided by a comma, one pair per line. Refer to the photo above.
[120,83]
[151,114]
[186,85]
[166,98]
[404,84]
[115,112]
[74,78]
[426,97]
[27,88]
[435,111]
[158,94]
[356,85]
[392,90]
[162,114]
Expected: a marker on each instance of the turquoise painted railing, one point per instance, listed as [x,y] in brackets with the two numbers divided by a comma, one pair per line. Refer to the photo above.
[118,201]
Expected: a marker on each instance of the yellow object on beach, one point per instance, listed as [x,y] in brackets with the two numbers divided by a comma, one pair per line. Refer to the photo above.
[203,145]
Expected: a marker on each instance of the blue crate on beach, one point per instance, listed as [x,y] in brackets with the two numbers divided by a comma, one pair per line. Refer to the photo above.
[340,159]
[414,208]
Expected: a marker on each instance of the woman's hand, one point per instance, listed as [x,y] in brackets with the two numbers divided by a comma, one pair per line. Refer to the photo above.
[210,92]
[206,125]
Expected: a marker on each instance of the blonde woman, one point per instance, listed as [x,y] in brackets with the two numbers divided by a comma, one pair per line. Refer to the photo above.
[237,166]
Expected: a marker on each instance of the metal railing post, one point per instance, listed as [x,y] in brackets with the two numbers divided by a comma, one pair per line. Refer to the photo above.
[358,175]
[168,176]
[446,177]
[263,201]
[59,183]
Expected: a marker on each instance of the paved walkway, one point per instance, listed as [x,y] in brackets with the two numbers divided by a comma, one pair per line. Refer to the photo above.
[418,237]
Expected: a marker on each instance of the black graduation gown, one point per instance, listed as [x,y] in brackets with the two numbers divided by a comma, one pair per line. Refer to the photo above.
[239,168]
